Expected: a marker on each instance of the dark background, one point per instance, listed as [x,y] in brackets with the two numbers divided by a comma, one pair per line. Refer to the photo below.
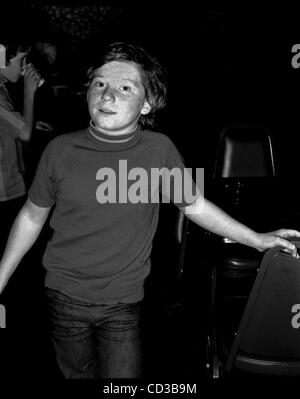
[227,64]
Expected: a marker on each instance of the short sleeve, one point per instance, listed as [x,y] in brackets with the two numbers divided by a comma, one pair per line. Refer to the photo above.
[42,191]
[186,184]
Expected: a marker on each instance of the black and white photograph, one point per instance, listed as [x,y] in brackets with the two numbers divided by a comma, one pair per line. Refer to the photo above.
[149,197]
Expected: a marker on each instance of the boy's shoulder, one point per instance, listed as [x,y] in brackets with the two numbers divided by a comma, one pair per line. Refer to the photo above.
[159,139]
[62,144]
[66,139]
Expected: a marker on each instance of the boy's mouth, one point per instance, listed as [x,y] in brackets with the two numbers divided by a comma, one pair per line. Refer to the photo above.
[107,111]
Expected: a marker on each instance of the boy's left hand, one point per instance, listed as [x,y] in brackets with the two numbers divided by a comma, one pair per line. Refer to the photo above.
[278,238]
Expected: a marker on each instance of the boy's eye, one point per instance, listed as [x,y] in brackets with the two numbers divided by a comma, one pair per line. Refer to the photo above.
[127,89]
[99,84]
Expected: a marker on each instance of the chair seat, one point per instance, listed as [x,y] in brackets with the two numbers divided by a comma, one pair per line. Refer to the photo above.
[239,261]
[238,267]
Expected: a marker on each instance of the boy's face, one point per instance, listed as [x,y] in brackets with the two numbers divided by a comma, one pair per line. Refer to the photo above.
[116,98]
[13,70]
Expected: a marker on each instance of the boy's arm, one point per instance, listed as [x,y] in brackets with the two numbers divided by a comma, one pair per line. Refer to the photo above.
[212,218]
[23,234]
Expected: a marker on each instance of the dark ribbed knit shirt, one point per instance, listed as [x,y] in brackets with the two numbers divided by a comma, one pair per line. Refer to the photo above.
[100,251]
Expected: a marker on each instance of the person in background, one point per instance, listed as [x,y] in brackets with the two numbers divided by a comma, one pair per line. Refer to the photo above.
[15,127]
[42,55]
[99,256]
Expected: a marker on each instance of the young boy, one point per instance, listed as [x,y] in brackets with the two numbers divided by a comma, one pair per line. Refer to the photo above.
[99,255]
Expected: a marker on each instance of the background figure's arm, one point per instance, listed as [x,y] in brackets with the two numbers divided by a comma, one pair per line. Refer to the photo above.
[212,218]
[31,81]
[23,234]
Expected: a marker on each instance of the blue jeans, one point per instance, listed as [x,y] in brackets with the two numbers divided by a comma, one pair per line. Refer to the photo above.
[95,341]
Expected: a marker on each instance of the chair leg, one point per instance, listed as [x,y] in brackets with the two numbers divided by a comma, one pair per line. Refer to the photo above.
[214,365]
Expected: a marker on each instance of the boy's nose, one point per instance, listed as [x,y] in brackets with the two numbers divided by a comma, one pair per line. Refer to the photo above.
[108,94]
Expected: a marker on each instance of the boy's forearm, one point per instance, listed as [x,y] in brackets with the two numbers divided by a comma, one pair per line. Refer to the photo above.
[23,234]
[212,218]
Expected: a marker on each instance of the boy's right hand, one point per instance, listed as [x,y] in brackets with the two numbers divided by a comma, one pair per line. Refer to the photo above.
[279,238]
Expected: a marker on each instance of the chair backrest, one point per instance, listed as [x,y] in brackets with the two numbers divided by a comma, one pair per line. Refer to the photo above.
[244,151]
[268,337]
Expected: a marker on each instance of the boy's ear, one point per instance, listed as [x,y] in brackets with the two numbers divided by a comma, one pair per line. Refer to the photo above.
[146,108]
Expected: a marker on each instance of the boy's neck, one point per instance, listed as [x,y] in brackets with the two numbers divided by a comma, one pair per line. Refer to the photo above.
[118,138]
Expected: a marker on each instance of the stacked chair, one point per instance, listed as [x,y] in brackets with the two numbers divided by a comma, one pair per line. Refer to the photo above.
[244,295]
